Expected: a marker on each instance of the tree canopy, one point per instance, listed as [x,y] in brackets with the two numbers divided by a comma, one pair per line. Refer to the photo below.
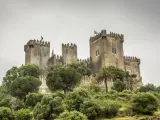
[63,78]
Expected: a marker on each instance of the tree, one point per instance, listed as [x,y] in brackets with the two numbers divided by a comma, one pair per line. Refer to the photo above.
[148,87]
[33,98]
[104,75]
[16,72]
[23,85]
[145,103]
[30,70]
[81,68]
[72,115]
[119,85]
[10,76]
[63,78]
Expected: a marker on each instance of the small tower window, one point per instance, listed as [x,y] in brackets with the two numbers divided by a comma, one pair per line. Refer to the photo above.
[114,50]
[114,46]
[97,52]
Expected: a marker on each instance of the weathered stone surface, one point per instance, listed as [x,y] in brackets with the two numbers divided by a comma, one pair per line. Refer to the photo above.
[105,50]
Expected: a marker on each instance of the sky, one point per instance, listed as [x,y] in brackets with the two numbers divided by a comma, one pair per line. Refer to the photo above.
[74,21]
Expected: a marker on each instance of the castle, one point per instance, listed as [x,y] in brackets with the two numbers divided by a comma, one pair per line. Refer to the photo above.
[105,49]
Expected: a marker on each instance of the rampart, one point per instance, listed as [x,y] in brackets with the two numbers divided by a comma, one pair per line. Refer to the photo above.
[38,42]
[131,59]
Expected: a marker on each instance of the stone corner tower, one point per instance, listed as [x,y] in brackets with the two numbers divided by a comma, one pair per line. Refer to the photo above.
[37,52]
[69,53]
[106,49]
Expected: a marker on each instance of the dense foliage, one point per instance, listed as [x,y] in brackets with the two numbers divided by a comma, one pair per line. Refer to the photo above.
[63,78]
[69,100]
[145,103]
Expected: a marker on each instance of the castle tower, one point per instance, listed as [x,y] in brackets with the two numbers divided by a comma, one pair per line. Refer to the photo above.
[69,53]
[106,49]
[37,52]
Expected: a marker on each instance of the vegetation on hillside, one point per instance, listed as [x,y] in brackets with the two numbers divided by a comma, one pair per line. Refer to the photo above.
[68,100]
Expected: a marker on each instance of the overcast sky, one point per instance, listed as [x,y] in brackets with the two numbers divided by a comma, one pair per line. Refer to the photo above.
[64,21]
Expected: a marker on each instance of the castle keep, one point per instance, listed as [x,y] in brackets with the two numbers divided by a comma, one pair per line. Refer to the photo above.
[105,49]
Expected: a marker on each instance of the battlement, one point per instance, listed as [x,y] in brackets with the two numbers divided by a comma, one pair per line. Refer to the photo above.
[131,59]
[99,35]
[69,45]
[84,60]
[116,35]
[38,42]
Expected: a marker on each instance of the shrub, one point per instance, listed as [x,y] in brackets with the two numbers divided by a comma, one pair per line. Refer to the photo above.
[91,109]
[6,113]
[49,108]
[95,88]
[33,98]
[5,102]
[72,115]
[58,94]
[125,111]
[74,99]
[110,109]
[24,114]
[17,104]
[127,91]
[145,103]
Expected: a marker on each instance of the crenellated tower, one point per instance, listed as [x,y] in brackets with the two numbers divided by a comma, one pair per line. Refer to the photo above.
[37,52]
[106,49]
[69,53]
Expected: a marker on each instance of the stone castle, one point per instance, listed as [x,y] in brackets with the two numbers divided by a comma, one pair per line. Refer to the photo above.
[105,49]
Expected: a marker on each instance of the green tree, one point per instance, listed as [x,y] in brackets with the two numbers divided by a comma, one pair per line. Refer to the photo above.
[24,114]
[33,98]
[104,75]
[119,85]
[23,85]
[145,103]
[10,76]
[148,87]
[30,70]
[63,78]
[6,113]
[72,115]
[81,68]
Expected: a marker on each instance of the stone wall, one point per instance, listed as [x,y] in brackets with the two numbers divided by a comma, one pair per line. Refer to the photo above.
[37,52]
[69,53]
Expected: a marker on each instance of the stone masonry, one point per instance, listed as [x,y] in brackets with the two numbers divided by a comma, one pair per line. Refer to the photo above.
[105,49]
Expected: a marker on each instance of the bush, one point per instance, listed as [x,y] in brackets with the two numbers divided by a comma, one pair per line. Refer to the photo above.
[24,114]
[17,104]
[110,109]
[49,108]
[58,94]
[72,115]
[125,111]
[33,98]
[5,102]
[95,88]
[6,113]
[91,109]
[74,99]
[145,103]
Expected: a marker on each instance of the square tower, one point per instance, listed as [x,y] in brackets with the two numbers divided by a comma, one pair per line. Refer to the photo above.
[37,52]
[106,49]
